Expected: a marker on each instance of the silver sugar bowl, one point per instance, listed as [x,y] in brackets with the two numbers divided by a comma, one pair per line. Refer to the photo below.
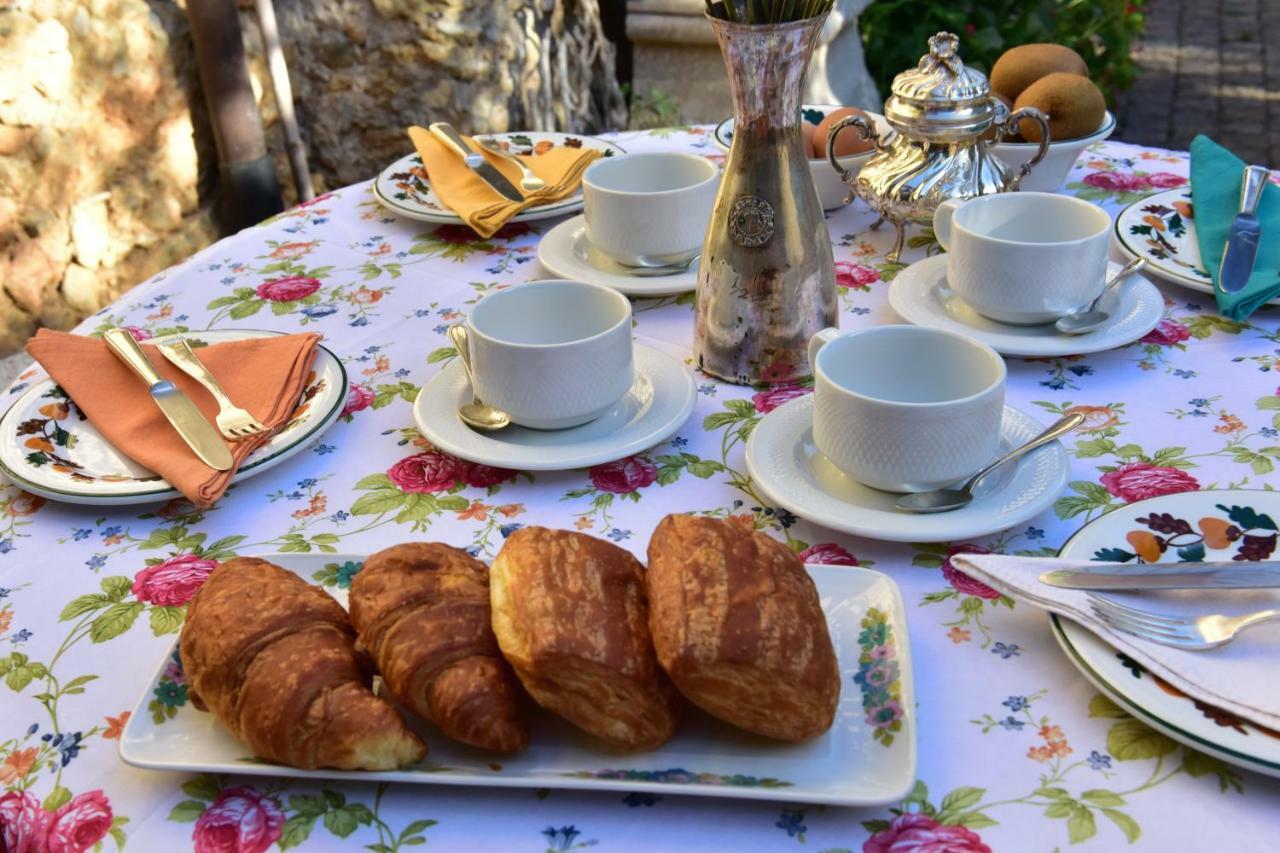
[945,118]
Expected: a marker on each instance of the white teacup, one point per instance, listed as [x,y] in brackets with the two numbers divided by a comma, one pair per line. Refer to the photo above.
[906,408]
[1024,257]
[552,354]
[649,209]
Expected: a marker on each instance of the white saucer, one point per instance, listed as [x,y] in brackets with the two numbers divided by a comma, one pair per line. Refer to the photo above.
[920,295]
[791,472]
[566,252]
[657,405]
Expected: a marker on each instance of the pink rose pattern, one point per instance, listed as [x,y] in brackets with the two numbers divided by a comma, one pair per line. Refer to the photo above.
[1136,481]
[173,581]
[289,288]
[1117,182]
[433,471]
[359,398]
[1168,333]
[962,583]
[624,475]
[240,820]
[25,826]
[830,554]
[768,400]
[917,833]
[849,274]
[22,823]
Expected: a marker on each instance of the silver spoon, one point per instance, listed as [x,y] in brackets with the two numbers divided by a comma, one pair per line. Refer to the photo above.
[589,254]
[942,500]
[529,182]
[1090,317]
[475,414]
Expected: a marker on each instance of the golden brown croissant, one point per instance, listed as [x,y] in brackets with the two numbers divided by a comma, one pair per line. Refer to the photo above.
[274,659]
[421,611]
[737,625]
[570,615]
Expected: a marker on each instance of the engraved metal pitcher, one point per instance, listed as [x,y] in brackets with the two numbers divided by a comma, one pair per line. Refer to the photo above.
[766,280]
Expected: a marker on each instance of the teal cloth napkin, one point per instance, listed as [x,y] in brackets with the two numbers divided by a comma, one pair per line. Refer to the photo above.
[1216,175]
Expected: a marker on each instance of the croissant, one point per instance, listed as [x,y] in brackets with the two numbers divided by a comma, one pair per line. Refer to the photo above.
[421,610]
[274,659]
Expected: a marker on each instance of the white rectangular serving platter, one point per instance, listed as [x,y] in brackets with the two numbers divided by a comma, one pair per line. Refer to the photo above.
[867,758]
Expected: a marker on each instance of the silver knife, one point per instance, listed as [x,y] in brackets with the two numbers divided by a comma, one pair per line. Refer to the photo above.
[475,160]
[1250,575]
[186,419]
[1242,240]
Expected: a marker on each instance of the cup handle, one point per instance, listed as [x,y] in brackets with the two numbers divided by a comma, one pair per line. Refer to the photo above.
[818,341]
[942,220]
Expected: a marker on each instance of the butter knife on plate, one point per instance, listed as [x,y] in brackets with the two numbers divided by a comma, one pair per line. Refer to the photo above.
[475,160]
[1242,240]
[186,419]
[1229,575]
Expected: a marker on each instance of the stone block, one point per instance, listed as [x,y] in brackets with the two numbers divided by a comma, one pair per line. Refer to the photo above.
[90,230]
[31,274]
[82,289]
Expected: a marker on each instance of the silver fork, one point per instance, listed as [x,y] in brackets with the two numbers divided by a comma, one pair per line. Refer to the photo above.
[529,182]
[233,421]
[1182,632]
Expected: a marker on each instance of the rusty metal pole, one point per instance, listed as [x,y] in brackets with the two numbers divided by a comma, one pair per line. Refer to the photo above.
[248,188]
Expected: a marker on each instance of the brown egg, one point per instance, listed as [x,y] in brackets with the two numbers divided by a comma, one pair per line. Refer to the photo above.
[807,131]
[848,141]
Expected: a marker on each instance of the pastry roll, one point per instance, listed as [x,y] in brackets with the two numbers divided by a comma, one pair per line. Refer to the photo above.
[736,623]
[570,615]
[421,610]
[274,659]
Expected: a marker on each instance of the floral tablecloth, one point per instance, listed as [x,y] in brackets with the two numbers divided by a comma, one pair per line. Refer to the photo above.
[1016,751]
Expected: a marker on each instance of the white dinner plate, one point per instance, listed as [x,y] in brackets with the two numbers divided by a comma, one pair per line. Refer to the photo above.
[404,187]
[1128,683]
[67,459]
[566,253]
[658,404]
[791,472]
[920,295]
[868,757]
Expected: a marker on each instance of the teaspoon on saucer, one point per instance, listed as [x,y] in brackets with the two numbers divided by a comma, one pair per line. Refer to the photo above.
[475,414]
[589,254]
[1090,317]
[943,500]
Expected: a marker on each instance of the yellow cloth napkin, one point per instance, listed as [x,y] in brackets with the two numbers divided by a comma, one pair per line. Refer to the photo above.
[479,205]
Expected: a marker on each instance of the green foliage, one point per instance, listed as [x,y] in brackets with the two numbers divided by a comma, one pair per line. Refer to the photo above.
[896,33]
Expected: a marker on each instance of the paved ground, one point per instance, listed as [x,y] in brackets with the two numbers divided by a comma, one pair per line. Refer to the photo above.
[1208,66]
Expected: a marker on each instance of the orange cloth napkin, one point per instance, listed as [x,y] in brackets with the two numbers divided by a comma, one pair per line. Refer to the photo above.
[264,375]
[479,205]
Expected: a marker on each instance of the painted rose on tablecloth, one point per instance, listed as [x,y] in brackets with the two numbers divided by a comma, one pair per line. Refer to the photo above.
[1136,481]
[288,288]
[24,503]
[1115,181]
[829,554]
[80,824]
[962,582]
[22,823]
[240,820]
[426,473]
[917,833]
[771,398]
[1165,180]
[1167,334]
[484,476]
[850,274]
[138,333]
[173,581]
[359,398]
[624,475]
[1096,418]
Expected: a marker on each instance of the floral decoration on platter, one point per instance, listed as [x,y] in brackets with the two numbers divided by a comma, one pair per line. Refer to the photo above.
[1220,716]
[679,776]
[1161,222]
[1250,536]
[877,676]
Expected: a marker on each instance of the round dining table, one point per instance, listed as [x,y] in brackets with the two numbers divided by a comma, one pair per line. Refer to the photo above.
[1016,750]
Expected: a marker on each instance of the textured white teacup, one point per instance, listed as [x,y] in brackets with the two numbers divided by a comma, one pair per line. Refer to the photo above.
[649,209]
[552,354]
[906,408]
[1023,257]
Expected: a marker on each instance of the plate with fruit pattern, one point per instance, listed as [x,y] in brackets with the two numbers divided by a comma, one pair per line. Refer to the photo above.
[404,187]
[1214,524]
[868,757]
[49,448]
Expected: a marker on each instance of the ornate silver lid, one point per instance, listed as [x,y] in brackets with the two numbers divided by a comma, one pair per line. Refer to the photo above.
[941,99]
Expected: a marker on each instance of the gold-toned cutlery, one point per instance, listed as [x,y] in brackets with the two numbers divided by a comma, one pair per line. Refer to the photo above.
[529,182]
[475,161]
[233,422]
[475,414]
[1181,632]
[186,419]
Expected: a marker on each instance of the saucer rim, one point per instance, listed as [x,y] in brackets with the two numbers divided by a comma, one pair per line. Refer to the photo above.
[528,459]
[638,286]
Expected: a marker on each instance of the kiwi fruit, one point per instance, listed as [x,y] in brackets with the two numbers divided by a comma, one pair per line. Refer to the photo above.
[1074,105]
[1019,67]
[848,142]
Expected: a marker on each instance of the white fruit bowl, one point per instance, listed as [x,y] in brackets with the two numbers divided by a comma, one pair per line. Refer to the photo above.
[1051,173]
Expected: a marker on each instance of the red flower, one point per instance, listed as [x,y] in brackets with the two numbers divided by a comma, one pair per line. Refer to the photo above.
[624,475]
[849,274]
[358,399]
[1136,481]
[23,823]
[1168,333]
[137,333]
[25,503]
[779,371]
[289,288]
[79,824]
[917,833]
[457,234]
[829,554]
[512,230]
[1165,180]
[240,820]
[768,400]
[317,200]
[432,471]
[964,584]
[174,581]
[1115,181]
[483,476]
